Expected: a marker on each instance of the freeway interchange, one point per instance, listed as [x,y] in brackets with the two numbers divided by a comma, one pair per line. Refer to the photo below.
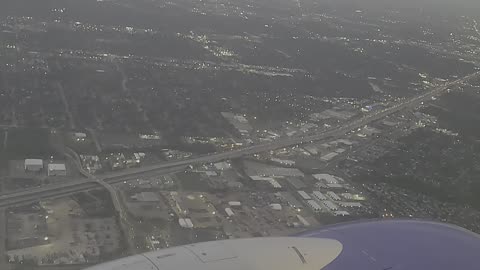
[78,185]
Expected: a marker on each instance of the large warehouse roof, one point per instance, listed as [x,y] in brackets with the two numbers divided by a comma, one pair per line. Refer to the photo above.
[56,167]
[33,162]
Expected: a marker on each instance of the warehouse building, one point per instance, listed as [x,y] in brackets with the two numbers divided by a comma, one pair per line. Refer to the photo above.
[333,195]
[319,195]
[275,184]
[330,205]
[336,186]
[235,204]
[57,169]
[229,212]
[314,205]
[341,213]
[304,195]
[350,204]
[33,165]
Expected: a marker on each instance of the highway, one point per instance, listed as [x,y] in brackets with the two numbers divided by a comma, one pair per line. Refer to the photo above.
[57,190]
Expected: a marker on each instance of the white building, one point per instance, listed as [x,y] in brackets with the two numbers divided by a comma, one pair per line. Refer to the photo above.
[57,170]
[319,195]
[341,213]
[33,165]
[334,186]
[275,184]
[314,205]
[276,206]
[350,204]
[330,205]
[347,196]
[189,223]
[185,223]
[333,195]
[304,195]
[79,136]
[229,212]
[235,204]
[182,223]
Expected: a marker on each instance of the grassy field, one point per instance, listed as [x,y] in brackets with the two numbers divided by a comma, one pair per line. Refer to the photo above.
[28,143]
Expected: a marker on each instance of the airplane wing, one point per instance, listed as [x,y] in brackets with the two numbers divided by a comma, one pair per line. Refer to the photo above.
[367,245]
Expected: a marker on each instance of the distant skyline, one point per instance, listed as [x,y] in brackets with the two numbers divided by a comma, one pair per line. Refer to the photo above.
[471,7]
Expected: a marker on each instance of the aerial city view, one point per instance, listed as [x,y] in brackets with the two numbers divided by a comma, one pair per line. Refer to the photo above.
[129,126]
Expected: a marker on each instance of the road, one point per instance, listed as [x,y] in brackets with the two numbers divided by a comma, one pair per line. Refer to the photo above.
[120,208]
[57,190]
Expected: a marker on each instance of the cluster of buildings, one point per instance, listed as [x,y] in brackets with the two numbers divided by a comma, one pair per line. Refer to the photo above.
[53,169]
[112,161]
[240,122]
[59,232]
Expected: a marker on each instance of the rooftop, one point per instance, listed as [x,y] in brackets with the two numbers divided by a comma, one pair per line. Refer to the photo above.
[56,167]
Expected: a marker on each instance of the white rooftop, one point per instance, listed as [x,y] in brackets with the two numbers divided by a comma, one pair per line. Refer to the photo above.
[33,162]
[276,206]
[56,167]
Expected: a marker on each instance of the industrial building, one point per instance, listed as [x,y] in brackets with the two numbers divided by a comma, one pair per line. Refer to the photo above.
[185,223]
[319,195]
[312,149]
[276,206]
[270,180]
[275,184]
[314,205]
[337,186]
[304,195]
[330,205]
[57,169]
[229,212]
[195,207]
[347,196]
[350,204]
[235,204]
[260,178]
[341,213]
[238,121]
[33,165]
[333,195]
[79,136]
